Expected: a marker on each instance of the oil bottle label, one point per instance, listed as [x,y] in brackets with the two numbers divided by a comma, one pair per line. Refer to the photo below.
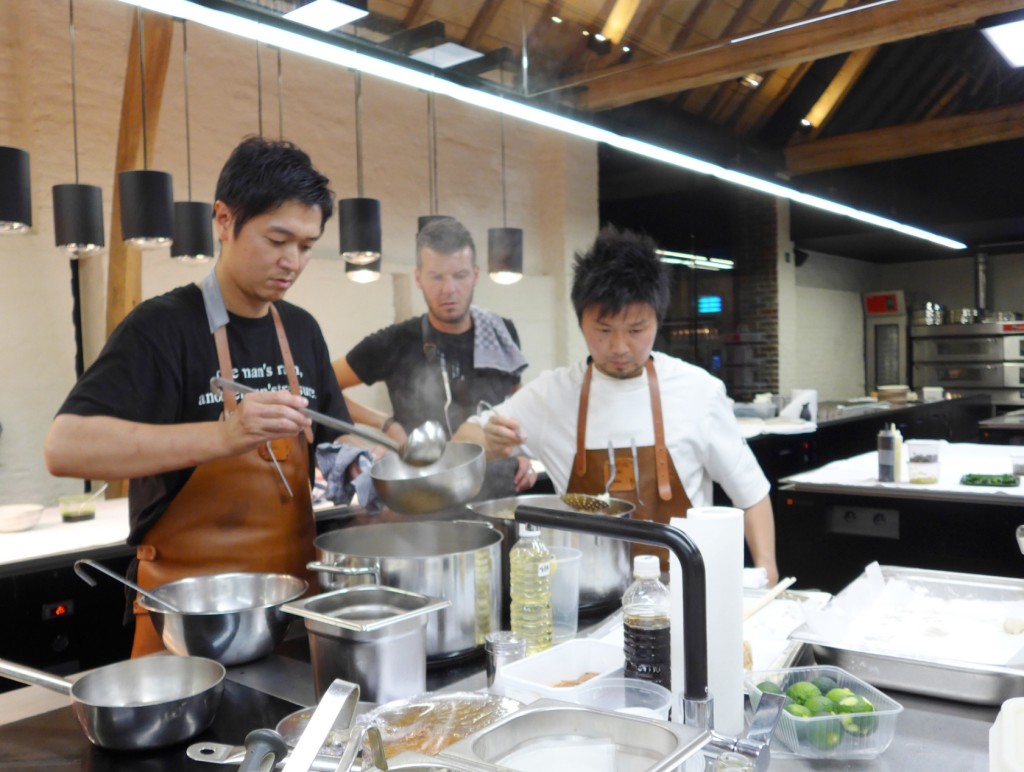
[544,569]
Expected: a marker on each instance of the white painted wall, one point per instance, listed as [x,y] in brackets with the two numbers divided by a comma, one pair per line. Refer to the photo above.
[551,184]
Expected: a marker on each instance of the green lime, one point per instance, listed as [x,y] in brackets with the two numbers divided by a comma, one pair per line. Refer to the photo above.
[837,695]
[802,691]
[856,715]
[824,733]
[770,686]
[798,710]
[821,705]
[824,683]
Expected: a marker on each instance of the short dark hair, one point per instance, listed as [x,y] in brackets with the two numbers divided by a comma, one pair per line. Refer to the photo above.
[445,236]
[620,270]
[262,174]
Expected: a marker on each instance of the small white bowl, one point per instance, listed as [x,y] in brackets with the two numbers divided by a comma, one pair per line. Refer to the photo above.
[19,517]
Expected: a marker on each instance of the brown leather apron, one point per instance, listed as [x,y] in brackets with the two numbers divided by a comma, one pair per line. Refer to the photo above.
[659,486]
[233,514]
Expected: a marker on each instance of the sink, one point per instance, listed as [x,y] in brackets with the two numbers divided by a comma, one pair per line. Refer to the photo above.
[550,734]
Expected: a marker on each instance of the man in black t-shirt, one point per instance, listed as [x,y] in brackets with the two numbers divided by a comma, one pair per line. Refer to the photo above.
[218,482]
[456,353]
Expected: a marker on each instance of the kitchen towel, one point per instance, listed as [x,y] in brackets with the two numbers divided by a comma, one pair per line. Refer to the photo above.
[718,534]
[334,459]
[803,404]
[493,347]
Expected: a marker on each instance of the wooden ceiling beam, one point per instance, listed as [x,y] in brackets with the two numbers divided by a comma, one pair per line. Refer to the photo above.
[836,91]
[889,144]
[482,23]
[874,26]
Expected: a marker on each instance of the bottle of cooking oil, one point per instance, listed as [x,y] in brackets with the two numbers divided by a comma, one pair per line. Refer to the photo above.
[530,566]
[646,624]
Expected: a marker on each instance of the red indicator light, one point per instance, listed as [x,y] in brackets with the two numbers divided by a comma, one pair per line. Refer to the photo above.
[60,610]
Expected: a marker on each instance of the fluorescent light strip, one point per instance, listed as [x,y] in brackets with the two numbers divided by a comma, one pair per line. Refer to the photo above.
[813,20]
[328,52]
[694,261]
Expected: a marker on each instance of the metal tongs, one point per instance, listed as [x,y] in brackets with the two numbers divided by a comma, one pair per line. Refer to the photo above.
[425,445]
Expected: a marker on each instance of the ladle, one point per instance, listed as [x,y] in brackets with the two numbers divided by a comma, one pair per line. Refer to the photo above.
[127,583]
[425,444]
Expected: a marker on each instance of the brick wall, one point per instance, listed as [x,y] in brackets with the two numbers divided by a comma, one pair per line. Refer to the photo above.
[756,292]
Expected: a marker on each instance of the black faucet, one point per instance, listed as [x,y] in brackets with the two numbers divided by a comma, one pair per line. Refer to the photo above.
[694,610]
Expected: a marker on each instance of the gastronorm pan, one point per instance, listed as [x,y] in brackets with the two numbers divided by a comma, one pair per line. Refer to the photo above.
[953,679]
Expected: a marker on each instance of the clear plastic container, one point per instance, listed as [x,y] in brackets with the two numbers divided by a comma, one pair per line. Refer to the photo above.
[646,624]
[626,695]
[559,672]
[923,461]
[826,737]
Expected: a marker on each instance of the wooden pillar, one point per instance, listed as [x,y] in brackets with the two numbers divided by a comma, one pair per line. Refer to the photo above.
[124,274]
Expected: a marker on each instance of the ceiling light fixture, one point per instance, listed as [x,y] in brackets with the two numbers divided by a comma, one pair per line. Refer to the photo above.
[446,55]
[77,208]
[1006,34]
[331,52]
[695,261]
[504,244]
[556,19]
[326,15]
[15,191]
[359,218]
[363,273]
[752,80]
[193,220]
[146,196]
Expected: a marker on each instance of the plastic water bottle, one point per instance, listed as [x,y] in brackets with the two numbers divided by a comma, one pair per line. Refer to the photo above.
[646,624]
[530,567]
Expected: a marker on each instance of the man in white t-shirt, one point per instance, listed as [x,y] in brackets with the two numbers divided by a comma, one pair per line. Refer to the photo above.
[671,416]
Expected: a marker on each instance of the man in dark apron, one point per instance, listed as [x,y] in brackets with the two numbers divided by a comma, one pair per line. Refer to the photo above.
[667,424]
[218,483]
[446,364]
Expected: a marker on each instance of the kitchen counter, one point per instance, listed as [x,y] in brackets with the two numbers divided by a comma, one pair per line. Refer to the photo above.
[931,734]
[53,541]
[859,475]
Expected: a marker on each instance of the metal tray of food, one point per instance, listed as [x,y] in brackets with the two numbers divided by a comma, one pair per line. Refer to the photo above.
[912,671]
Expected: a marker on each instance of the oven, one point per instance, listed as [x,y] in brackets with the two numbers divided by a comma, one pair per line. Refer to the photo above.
[987,357]
[885,339]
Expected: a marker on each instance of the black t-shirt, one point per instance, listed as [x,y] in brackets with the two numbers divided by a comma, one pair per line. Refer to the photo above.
[157,365]
[396,356]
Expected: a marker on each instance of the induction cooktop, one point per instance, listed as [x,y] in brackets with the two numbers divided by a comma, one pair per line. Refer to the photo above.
[54,741]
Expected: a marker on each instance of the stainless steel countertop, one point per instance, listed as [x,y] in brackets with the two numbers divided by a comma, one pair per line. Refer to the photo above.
[931,734]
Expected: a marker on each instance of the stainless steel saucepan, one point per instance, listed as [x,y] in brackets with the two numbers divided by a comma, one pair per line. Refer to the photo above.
[137,704]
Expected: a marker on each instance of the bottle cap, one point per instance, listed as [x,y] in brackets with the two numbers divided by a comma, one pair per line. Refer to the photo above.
[646,566]
[528,529]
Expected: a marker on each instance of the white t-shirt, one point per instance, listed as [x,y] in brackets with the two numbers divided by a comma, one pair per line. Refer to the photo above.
[700,429]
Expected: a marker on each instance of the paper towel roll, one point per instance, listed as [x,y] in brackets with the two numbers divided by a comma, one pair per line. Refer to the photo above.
[718,534]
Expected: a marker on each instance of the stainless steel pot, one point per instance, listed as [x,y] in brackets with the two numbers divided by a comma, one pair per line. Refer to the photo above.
[145,703]
[232,618]
[456,561]
[604,567]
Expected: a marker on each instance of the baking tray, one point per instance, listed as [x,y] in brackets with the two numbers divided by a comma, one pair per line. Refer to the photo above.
[961,680]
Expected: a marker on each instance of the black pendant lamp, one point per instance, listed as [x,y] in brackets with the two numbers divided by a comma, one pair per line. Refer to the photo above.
[193,220]
[363,274]
[359,229]
[505,255]
[15,191]
[504,244]
[77,208]
[424,220]
[146,196]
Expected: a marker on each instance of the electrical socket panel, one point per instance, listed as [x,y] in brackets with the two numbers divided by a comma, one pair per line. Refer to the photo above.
[863,521]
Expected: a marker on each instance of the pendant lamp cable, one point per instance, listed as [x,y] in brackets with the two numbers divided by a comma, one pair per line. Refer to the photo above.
[259,89]
[188,133]
[504,209]
[280,98]
[432,151]
[76,290]
[142,75]
[359,134]
[74,84]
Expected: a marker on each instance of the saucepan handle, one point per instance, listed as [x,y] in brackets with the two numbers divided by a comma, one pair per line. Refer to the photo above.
[264,749]
[328,568]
